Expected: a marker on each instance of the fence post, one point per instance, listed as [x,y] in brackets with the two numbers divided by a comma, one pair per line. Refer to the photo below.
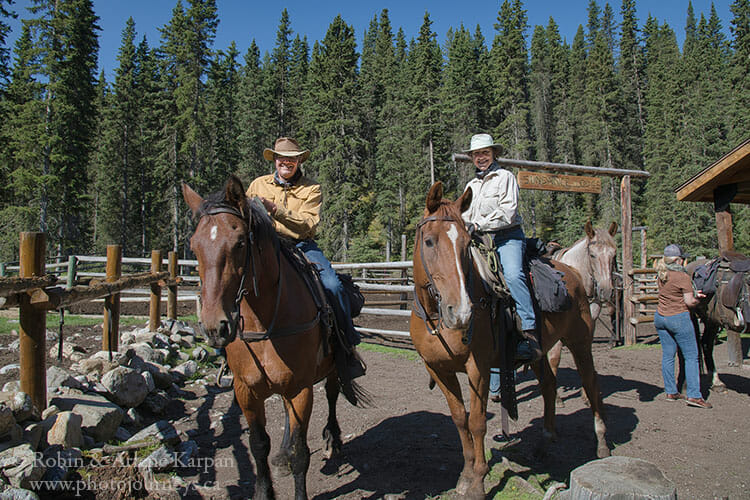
[33,323]
[172,288]
[111,326]
[72,267]
[3,272]
[154,311]
[627,262]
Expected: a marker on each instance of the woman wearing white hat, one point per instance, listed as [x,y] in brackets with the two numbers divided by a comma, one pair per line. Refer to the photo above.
[494,210]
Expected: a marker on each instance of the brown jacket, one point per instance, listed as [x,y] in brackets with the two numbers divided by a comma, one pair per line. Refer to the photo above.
[297,208]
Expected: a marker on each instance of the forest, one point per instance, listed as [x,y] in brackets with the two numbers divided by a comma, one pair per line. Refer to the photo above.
[92,162]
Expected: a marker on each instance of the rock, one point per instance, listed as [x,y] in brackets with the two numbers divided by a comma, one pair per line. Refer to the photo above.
[32,434]
[94,368]
[199,354]
[133,418]
[69,351]
[127,338]
[21,466]
[7,421]
[117,357]
[143,351]
[22,407]
[18,494]
[186,369]
[59,377]
[619,477]
[122,434]
[149,379]
[12,370]
[100,417]
[161,460]
[12,386]
[185,452]
[181,328]
[66,431]
[162,430]
[160,341]
[156,402]
[126,386]
[60,462]
[13,438]
[49,411]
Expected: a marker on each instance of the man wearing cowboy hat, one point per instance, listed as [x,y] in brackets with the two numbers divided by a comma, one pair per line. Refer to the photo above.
[293,201]
[494,210]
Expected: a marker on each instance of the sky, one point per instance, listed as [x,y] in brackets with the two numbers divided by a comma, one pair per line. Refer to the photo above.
[242,21]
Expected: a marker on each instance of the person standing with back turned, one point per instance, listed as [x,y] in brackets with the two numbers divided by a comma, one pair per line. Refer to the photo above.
[672,321]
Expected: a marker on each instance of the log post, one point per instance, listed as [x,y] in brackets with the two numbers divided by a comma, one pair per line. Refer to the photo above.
[724,230]
[172,288]
[111,323]
[154,311]
[72,267]
[644,259]
[627,261]
[33,323]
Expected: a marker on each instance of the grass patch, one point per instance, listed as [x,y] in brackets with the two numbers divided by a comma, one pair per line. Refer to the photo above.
[391,351]
[7,325]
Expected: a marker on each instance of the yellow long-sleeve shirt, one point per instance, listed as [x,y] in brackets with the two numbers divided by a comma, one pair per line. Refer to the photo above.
[297,207]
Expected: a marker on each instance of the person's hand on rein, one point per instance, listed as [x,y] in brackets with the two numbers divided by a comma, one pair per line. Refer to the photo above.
[269,205]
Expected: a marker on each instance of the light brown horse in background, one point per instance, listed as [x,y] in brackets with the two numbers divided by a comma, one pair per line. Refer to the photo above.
[257,306]
[595,258]
[451,329]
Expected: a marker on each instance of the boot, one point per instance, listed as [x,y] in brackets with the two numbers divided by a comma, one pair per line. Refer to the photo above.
[528,349]
[355,364]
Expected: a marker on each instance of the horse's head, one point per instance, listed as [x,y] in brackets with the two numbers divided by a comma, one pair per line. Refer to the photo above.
[441,257]
[222,244]
[602,251]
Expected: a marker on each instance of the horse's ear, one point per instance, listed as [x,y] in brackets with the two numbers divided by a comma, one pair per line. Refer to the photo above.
[589,229]
[464,202]
[434,197]
[192,198]
[613,229]
[235,192]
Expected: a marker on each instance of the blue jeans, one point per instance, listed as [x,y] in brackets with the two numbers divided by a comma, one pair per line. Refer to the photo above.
[674,331]
[333,285]
[511,247]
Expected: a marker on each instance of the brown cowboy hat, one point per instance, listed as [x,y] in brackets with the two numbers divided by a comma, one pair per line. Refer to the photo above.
[286,146]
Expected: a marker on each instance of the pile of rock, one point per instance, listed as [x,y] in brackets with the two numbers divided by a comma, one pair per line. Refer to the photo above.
[104,397]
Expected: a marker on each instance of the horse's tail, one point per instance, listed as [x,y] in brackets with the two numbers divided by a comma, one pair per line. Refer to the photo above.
[356,394]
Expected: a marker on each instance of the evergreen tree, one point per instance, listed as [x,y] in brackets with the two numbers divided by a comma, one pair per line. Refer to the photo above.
[739,71]
[256,130]
[278,76]
[335,142]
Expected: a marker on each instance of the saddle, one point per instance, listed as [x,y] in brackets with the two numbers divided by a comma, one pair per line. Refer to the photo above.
[729,276]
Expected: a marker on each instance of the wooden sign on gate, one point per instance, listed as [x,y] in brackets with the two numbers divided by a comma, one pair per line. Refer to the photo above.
[557,182]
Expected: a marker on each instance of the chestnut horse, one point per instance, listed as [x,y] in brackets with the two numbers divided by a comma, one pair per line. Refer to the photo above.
[595,258]
[257,307]
[450,328]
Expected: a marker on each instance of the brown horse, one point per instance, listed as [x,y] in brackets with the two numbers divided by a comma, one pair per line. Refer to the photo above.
[450,327]
[257,306]
[595,258]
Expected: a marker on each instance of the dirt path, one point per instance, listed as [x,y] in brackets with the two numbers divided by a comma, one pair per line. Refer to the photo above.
[407,446]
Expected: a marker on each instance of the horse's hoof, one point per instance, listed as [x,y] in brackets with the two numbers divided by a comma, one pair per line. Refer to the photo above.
[332,450]
[603,451]
[281,465]
[719,388]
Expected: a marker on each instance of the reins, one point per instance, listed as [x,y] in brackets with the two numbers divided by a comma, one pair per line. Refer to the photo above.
[432,290]
[238,322]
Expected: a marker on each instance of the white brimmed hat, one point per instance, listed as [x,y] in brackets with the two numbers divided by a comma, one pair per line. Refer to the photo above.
[481,141]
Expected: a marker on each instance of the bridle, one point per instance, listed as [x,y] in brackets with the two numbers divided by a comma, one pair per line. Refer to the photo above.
[237,321]
[429,320]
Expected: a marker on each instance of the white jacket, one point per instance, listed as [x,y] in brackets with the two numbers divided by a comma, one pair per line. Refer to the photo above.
[494,201]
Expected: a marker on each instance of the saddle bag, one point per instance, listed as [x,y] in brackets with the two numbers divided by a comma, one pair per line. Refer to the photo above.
[549,288]
[356,298]
[704,277]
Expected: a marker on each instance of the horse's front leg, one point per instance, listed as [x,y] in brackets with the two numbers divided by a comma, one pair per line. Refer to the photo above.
[585,364]
[297,454]
[479,384]
[553,357]
[260,442]
[448,383]
[708,341]
[548,383]
[332,432]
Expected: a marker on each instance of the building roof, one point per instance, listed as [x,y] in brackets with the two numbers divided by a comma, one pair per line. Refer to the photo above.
[732,168]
